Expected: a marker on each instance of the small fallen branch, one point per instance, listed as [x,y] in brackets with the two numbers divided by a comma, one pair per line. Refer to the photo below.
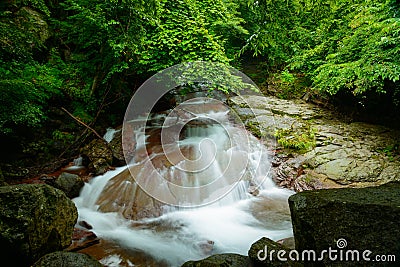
[82,123]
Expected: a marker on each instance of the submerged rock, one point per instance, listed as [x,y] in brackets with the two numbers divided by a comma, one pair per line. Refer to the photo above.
[35,219]
[226,260]
[349,219]
[70,184]
[81,239]
[70,259]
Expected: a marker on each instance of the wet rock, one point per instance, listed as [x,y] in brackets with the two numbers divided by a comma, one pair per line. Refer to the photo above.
[70,259]
[117,150]
[226,260]
[320,218]
[35,219]
[70,184]
[345,154]
[85,224]
[276,106]
[287,242]
[132,203]
[253,190]
[206,247]
[100,156]
[260,254]
[81,239]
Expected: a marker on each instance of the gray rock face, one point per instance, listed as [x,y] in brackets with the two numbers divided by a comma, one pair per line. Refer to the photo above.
[35,219]
[70,184]
[226,260]
[366,218]
[346,154]
[70,259]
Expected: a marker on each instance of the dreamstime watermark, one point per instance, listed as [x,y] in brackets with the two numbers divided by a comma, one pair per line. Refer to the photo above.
[340,253]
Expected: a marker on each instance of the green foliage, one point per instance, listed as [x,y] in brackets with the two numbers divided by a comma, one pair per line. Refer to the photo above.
[27,88]
[254,128]
[356,49]
[301,139]
[185,32]
[271,26]
[205,77]
[391,151]
[64,137]
[17,105]
[22,32]
[287,78]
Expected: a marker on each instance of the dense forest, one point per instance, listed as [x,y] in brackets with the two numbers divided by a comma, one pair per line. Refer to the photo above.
[87,57]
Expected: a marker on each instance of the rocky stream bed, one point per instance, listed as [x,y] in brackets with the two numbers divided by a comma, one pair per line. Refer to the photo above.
[38,219]
[345,154]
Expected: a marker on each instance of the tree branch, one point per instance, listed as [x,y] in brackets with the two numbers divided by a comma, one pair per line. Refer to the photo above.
[81,122]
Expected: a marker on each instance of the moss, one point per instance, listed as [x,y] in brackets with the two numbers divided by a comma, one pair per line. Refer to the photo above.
[301,139]
[34,220]
[254,128]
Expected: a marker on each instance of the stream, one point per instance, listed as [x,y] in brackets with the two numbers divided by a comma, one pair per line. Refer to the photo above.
[197,184]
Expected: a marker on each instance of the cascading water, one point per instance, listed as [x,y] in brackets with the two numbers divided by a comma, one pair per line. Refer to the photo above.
[217,162]
[109,135]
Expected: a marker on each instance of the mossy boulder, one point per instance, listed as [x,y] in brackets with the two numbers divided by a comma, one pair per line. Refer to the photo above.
[70,259]
[263,248]
[99,154]
[35,219]
[70,184]
[360,218]
[226,260]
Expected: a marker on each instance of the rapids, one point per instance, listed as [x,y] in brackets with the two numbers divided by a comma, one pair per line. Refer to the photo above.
[213,174]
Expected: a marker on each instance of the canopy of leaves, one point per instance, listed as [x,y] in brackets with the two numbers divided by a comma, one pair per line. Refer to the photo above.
[356,48]
[88,54]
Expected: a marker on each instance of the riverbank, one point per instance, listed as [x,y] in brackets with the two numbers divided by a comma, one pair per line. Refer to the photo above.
[316,149]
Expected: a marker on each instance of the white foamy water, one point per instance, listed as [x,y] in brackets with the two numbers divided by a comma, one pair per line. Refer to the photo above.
[109,135]
[228,225]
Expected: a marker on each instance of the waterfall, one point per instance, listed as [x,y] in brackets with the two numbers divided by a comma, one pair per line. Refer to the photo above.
[204,173]
[109,135]
[78,161]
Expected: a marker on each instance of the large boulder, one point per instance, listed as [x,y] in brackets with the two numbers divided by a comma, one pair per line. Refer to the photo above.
[348,219]
[100,156]
[35,219]
[68,259]
[226,260]
[69,183]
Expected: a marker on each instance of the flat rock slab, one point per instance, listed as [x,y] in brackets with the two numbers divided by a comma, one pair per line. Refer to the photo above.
[346,154]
